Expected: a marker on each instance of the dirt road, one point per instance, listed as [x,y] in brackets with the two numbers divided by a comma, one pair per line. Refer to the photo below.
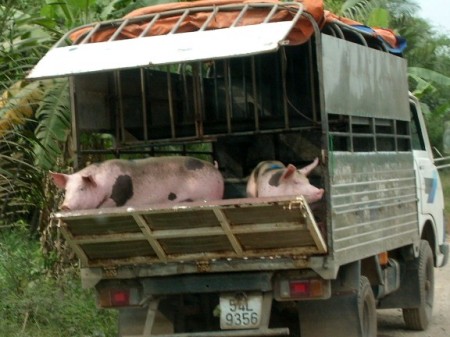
[390,322]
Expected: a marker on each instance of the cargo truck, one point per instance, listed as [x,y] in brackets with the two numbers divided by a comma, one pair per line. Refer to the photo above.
[239,82]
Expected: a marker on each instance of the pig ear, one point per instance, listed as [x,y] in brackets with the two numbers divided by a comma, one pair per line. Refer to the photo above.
[289,172]
[307,169]
[89,180]
[59,179]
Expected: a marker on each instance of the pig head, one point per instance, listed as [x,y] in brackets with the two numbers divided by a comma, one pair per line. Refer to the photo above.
[273,178]
[140,182]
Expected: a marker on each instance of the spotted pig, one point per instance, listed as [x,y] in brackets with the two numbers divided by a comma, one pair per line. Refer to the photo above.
[272,178]
[140,182]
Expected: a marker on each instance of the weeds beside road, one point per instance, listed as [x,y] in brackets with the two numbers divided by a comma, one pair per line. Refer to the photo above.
[35,304]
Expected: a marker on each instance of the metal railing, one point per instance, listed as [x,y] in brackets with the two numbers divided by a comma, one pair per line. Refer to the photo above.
[148,21]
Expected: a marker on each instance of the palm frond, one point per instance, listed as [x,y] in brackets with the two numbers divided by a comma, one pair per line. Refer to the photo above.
[24,39]
[430,75]
[402,8]
[20,181]
[17,104]
[54,122]
[360,10]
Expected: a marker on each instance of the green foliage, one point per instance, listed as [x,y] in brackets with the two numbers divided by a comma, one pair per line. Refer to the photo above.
[378,17]
[39,305]
[372,12]
[70,13]
[20,181]
[54,123]
[22,43]
[359,10]
[429,75]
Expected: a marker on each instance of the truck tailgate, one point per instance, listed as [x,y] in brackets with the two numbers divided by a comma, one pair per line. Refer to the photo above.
[196,231]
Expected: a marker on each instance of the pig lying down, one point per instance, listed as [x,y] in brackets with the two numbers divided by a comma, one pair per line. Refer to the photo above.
[140,182]
[274,179]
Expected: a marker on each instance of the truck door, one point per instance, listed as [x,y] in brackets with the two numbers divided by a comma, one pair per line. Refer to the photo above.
[429,191]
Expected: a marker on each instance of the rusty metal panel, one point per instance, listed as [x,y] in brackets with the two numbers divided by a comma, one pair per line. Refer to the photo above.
[373,203]
[199,231]
[364,82]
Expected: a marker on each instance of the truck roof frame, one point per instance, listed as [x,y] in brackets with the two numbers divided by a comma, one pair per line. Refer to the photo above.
[73,53]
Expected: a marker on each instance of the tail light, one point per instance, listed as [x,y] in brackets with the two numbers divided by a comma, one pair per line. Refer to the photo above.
[119,297]
[383,258]
[302,289]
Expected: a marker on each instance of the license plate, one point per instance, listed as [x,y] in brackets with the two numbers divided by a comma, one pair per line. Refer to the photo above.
[240,311]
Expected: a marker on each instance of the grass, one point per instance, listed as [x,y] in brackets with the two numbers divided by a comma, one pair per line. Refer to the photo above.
[36,304]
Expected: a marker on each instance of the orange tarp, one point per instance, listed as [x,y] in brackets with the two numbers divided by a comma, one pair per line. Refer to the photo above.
[298,35]
[386,34]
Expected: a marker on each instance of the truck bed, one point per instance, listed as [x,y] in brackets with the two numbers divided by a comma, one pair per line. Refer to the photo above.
[200,232]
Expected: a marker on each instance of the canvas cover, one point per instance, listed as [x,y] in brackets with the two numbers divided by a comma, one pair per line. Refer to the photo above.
[298,35]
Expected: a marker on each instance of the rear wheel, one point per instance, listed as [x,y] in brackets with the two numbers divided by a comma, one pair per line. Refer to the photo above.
[367,309]
[419,318]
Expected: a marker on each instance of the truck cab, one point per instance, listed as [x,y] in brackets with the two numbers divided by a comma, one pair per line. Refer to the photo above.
[429,187]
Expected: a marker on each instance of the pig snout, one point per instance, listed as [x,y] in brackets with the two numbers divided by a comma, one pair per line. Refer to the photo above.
[314,195]
[64,208]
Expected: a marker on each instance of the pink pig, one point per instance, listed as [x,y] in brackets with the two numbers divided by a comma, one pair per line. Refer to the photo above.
[140,182]
[273,178]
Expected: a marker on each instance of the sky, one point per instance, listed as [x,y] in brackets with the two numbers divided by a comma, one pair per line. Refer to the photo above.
[437,12]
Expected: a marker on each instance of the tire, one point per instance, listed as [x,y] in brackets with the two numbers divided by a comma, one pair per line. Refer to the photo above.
[367,309]
[419,318]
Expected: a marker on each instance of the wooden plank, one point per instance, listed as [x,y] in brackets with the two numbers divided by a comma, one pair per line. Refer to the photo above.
[234,228]
[314,229]
[227,230]
[118,250]
[102,224]
[145,228]
[75,247]
[91,239]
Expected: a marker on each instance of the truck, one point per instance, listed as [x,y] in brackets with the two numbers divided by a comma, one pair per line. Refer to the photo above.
[236,83]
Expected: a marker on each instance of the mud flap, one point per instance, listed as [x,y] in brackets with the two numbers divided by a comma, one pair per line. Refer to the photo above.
[408,293]
[337,316]
[132,321]
[143,321]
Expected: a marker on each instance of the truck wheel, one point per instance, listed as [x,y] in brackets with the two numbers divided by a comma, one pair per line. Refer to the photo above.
[419,318]
[367,309]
